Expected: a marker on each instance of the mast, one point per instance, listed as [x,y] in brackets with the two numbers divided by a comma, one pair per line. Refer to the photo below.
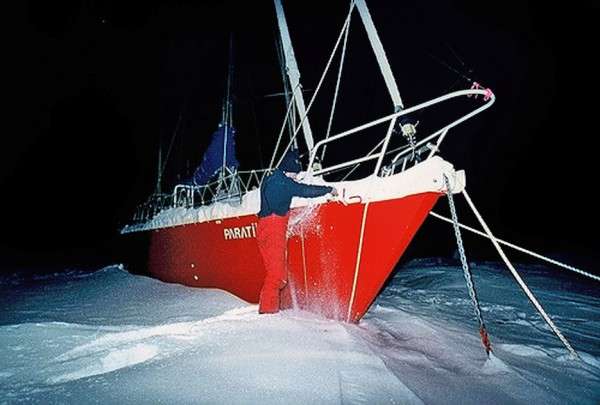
[159,171]
[226,119]
[293,73]
[382,60]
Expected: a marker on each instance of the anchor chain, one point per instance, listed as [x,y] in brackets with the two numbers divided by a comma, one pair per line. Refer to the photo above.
[485,339]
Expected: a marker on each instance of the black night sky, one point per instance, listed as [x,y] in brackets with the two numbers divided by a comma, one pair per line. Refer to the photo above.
[94,85]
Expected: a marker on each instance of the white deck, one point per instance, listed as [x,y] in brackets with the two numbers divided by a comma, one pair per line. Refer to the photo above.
[425,177]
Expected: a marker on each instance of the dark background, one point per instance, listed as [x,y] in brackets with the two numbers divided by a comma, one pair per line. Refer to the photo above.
[93,86]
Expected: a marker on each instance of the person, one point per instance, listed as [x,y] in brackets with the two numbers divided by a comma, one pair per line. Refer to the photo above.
[276,193]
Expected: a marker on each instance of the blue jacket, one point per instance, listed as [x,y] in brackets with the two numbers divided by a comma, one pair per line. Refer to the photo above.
[277,191]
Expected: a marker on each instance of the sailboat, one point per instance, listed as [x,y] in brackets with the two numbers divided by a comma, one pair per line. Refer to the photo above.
[340,250]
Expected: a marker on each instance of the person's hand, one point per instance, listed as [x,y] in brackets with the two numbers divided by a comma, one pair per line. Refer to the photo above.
[334,192]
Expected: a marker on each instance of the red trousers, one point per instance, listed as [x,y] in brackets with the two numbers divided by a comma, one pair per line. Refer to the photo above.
[271,238]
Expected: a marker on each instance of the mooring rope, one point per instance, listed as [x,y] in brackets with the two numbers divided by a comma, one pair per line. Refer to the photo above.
[520,249]
[520,281]
[485,339]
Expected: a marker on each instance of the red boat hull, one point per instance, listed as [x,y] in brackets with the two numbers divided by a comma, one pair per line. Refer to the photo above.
[338,257]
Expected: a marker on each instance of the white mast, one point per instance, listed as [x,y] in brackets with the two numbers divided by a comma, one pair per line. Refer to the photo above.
[293,73]
[159,172]
[382,60]
[226,119]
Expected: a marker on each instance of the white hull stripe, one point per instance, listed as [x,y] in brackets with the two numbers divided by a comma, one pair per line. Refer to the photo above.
[358,256]
[304,264]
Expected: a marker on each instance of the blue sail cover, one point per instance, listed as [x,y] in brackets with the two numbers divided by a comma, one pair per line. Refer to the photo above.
[213,157]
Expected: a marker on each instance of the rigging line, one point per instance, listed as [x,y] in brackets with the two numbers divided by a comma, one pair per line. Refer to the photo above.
[312,100]
[284,93]
[250,87]
[397,149]
[175,131]
[368,154]
[459,61]
[445,64]
[455,54]
[337,84]
[453,85]
[257,133]
[520,249]
[283,125]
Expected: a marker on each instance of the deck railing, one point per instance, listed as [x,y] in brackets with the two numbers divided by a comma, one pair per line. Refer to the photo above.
[406,150]
[231,185]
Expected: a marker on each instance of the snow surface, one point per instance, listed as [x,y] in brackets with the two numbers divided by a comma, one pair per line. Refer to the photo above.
[113,337]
